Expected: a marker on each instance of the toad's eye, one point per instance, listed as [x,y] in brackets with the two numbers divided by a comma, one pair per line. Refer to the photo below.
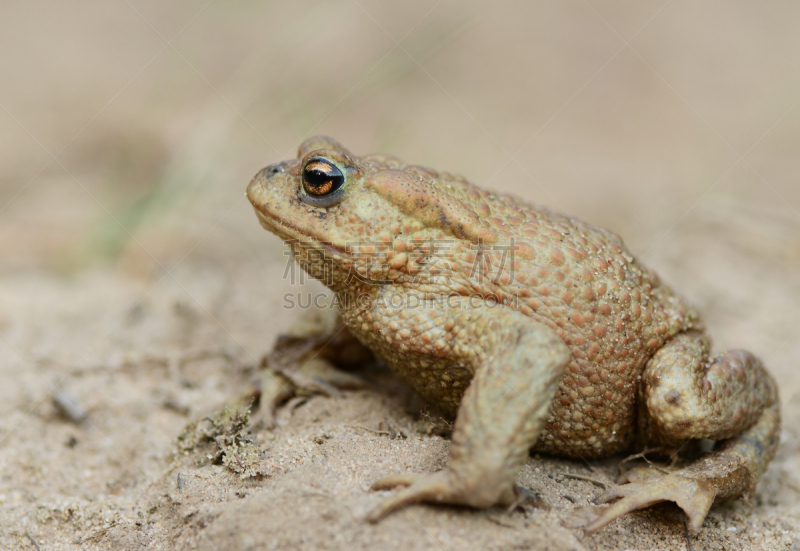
[321,178]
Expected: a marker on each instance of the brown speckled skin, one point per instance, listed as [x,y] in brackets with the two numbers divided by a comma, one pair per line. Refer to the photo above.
[553,326]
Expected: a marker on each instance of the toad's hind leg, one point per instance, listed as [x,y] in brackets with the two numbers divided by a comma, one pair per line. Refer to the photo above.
[732,399]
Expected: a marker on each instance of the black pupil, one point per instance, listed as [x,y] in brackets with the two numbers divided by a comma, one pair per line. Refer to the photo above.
[322,178]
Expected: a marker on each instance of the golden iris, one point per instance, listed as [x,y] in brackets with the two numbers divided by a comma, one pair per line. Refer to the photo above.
[321,177]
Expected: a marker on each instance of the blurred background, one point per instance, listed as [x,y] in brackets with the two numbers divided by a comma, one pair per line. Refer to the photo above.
[130,129]
[126,119]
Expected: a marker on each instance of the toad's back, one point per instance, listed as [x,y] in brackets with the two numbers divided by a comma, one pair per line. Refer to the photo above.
[579,280]
[612,313]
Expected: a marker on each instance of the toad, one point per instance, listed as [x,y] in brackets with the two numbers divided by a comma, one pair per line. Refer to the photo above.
[534,330]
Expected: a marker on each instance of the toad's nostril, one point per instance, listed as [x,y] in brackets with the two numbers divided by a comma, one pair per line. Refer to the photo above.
[273,170]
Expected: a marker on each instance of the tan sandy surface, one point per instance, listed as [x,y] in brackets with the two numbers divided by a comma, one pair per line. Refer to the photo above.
[135,278]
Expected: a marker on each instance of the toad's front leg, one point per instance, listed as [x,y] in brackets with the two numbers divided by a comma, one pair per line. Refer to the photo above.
[517,365]
[307,359]
[732,399]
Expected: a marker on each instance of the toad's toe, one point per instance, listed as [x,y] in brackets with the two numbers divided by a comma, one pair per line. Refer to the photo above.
[440,487]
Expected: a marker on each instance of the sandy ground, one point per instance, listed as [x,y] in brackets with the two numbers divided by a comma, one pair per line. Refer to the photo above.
[135,280]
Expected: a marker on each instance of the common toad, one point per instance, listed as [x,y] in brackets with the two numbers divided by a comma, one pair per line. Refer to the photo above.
[535,330]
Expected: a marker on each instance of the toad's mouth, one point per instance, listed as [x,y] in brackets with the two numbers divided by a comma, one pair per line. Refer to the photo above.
[281,228]
[290,233]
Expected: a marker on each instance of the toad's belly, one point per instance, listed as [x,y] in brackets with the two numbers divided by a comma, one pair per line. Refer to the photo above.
[589,425]
[575,428]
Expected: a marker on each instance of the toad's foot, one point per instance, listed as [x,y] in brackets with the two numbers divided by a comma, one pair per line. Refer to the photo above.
[306,361]
[314,376]
[444,486]
[730,471]
[694,496]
